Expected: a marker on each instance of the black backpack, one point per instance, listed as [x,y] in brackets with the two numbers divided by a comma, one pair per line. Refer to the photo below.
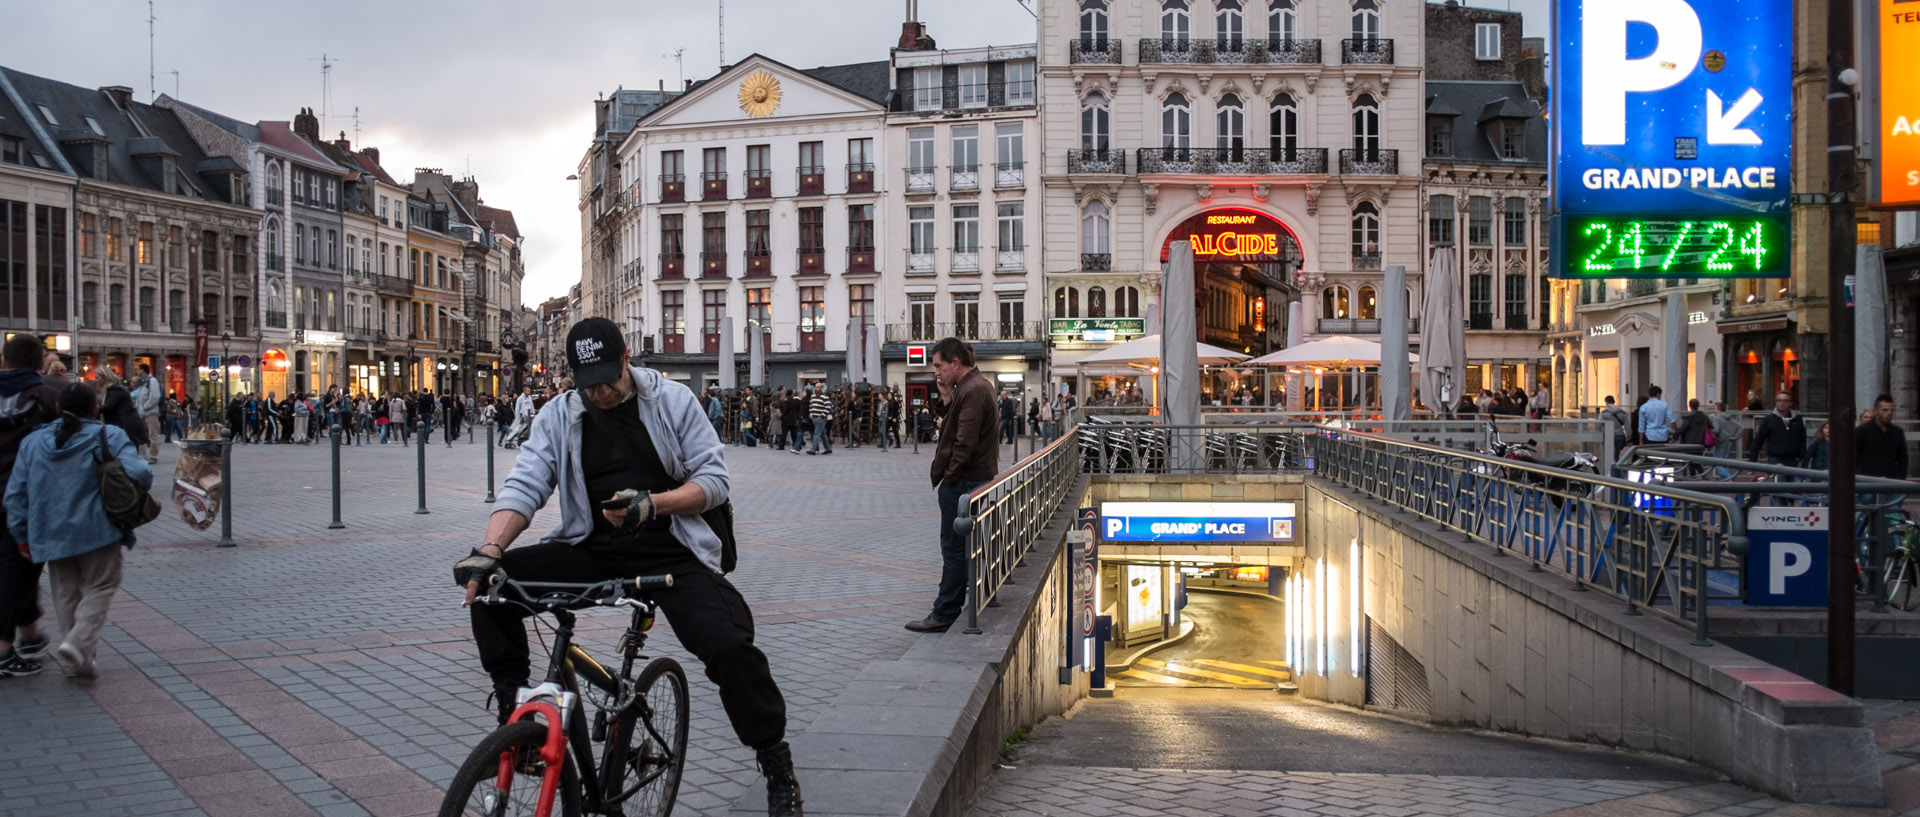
[126,504]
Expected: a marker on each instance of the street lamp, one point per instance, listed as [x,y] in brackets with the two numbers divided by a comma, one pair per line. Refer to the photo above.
[226,349]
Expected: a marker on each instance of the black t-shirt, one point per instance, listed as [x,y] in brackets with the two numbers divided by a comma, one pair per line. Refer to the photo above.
[608,444]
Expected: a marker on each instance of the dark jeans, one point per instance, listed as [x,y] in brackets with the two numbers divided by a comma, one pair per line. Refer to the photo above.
[953,548]
[19,585]
[707,615]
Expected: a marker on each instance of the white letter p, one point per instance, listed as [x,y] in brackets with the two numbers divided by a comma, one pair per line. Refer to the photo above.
[1787,560]
[1607,75]
[1115,526]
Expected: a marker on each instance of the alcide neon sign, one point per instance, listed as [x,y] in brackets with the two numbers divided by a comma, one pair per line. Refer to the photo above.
[1234,244]
[1232,235]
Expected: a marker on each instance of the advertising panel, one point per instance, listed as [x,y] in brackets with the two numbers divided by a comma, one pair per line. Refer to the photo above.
[1251,522]
[1899,25]
[1672,138]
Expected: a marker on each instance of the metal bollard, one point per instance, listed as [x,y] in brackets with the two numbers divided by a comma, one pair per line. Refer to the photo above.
[336,524]
[422,428]
[489,498]
[226,487]
[913,431]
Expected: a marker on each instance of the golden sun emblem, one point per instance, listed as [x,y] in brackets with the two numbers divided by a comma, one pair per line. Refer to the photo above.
[759,94]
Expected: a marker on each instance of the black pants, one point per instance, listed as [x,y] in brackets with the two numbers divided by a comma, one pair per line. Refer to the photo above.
[19,585]
[707,614]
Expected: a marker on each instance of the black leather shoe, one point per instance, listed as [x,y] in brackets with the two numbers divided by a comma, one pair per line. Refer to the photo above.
[783,789]
[930,625]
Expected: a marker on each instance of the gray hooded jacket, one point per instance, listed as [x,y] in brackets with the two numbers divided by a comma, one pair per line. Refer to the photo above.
[688,447]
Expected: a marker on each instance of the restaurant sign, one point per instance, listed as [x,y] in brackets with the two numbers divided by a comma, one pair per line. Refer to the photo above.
[1097,329]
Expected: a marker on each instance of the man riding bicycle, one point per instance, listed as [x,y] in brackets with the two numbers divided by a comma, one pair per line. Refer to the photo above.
[635,463]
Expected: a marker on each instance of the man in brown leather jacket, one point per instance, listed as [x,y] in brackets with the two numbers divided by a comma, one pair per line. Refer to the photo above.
[967,456]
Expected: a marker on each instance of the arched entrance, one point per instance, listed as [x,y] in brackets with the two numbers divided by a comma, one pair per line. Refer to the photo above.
[274,367]
[1243,262]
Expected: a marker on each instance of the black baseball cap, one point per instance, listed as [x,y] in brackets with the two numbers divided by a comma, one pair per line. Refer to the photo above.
[594,352]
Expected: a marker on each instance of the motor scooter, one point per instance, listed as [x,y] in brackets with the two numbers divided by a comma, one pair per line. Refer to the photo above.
[1529,452]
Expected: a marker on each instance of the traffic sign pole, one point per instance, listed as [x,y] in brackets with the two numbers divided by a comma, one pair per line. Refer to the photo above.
[1841,241]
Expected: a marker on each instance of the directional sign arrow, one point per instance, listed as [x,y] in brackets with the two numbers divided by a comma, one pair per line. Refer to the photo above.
[1723,122]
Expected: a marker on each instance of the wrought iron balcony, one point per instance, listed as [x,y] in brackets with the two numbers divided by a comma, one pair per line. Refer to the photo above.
[1010,259]
[920,263]
[713,185]
[813,180]
[1359,326]
[1096,262]
[1517,322]
[920,179]
[1275,51]
[965,260]
[1366,261]
[673,265]
[1093,51]
[759,184]
[1369,162]
[859,178]
[860,259]
[1009,174]
[963,178]
[968,330]
[1366,52]
[713,264]
[1097,160]
[1233,161]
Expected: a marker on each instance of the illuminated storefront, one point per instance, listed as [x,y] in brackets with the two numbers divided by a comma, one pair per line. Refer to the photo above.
[275,371]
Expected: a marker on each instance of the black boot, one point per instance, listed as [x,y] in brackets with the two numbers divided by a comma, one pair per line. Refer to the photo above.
[503,700]
[783,791]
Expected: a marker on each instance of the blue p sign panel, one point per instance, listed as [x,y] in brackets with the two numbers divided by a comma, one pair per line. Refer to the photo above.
[1673,137]
[1787,562]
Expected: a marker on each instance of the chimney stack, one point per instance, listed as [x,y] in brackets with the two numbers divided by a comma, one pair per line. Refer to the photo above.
[372,153]
[689,86]
[121,95]
[342,142]
[308,125]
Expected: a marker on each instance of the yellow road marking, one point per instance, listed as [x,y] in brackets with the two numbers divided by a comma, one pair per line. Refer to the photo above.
[1148,676]
[1186,670]
[1281,664]
[1229,665]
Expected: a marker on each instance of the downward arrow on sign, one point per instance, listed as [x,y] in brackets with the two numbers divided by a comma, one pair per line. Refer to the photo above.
[1723,123]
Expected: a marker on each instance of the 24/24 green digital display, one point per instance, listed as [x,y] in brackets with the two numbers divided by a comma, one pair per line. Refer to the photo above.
[1744,247]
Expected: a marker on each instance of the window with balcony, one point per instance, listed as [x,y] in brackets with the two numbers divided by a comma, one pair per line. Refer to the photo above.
[966,158]
[966,238]
[1230,128]
[1096,302]
[1284,129]
[759,311]
[713,312]
[673,244]
[860,227]
[1013,317]
[1020,87]
[1479,302]
[813,168]
[1010,155]
[1366,128]
[1176,24]
[759,242]
[1333,303]
[966,315]
[673,311]
[973,86]
[759,171]
[1513,219]
[713,173]
[812,239]
[1094,126]
[1096,237]
[1093,25]
[673,176]
[1440,221]
[1366,236]
[1366,20]
[1126,302]
[713,244]
[1229,25]
[1011,251]
[860,304]
[860,165]
[813,309]
[1066,302]
[1176,123]
[920,317]
[920,167]
[1439,136]
[927,89]
[1283,23]
[920,246]
[1479,221]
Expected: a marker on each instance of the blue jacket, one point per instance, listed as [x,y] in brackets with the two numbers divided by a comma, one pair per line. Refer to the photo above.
[550,461]
[53,496]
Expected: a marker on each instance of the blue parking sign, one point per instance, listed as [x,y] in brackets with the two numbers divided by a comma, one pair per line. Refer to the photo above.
[1787,562]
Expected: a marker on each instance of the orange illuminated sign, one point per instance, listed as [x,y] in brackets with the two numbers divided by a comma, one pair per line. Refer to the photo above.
[1899,102]
[1235,244]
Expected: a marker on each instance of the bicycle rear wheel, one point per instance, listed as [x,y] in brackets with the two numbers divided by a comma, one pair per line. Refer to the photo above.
[477,790]
[1899,584]
[645,756]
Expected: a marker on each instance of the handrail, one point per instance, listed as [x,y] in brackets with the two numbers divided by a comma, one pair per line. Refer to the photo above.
[1003,518]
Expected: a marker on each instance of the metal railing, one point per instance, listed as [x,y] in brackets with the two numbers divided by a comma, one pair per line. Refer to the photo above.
[972,331]
[1228,51]
[1652,546]
[1093,51]
[1232,161]
[1370,162]
[1097,160]
[1002,520]
[1366,52]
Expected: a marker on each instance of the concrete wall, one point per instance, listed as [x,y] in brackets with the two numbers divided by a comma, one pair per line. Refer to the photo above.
[1522,652]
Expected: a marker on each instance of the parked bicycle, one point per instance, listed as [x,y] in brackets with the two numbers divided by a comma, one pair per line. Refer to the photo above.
[1903,566]
[544,753]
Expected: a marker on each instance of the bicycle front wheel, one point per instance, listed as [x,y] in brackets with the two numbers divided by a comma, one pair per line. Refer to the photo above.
[480,789]
[1899,584]
[647,744]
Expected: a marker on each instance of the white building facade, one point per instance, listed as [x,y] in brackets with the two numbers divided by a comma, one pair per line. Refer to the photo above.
[756,195]
[1282,137]
[963,215]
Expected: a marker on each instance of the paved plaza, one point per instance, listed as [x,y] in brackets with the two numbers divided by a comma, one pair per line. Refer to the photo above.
[330,672]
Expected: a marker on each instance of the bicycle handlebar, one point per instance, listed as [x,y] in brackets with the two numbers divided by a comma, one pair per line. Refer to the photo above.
[613,593]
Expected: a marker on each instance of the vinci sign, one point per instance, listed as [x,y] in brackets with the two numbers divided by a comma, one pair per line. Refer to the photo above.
[1672,117]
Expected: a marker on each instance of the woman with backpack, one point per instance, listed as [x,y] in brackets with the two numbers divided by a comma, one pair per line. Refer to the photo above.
[56,512]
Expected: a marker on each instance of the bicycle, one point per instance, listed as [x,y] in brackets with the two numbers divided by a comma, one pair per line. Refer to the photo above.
[1903,567]
[543,753]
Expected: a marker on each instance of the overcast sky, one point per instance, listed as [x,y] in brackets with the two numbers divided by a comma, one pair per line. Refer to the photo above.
[500,89]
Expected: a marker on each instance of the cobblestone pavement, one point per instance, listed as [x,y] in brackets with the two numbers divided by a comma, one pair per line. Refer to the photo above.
[1157,752]
[310,671]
